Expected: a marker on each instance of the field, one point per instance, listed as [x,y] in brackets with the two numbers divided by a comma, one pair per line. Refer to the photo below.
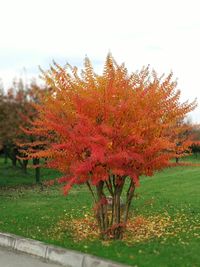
[165,217]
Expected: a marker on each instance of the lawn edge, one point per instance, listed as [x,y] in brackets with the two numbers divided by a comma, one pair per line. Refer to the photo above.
[50,253]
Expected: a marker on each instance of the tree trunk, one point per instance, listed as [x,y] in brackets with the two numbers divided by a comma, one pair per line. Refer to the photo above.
[129,197]
[13,156]
[14,160]
[118,227]
[5,154]
[36,162]
[25,163]
[111,213]
[100,213]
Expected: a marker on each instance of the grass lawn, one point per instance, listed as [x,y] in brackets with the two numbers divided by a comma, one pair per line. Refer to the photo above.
[11,177]
[170,199]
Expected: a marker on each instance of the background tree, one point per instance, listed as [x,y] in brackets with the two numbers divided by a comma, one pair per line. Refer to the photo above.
[34,94]
[183,137]
[10,104]
[16,112]
[1,101]
[195,146]
[106,131]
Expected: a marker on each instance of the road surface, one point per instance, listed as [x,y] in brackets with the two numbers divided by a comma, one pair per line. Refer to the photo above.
[10,258]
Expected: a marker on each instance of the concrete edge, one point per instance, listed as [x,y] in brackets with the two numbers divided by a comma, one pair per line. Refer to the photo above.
[64,257]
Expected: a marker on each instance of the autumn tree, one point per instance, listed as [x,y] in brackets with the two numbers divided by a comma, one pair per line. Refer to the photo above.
[16,112]
[10,104]
[195,146]
[106,131]
[26,140]
[1,114]
[13,104]
[183,138]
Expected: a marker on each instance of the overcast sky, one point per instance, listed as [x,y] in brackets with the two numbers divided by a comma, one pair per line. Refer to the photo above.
[164,34]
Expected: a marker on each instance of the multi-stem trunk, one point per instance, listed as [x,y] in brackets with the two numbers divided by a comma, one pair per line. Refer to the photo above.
[111,212]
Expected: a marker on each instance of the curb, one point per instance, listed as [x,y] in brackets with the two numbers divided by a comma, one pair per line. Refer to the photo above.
[64,257]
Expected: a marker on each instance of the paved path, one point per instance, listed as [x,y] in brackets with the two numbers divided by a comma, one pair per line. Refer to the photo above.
[12,259]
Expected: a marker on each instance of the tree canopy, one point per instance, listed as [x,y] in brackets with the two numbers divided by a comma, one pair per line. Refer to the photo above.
[104,130]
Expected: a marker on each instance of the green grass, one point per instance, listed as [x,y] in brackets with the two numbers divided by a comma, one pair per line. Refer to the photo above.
[14,176]
[31,212]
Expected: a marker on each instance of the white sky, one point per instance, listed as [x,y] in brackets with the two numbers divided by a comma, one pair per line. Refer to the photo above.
[164,34]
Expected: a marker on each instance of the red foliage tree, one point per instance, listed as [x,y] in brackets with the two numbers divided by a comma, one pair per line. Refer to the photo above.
[106,131]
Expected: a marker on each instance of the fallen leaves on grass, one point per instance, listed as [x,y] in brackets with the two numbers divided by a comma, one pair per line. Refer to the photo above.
[85,228]
[139,229]
[143,228]
[79,229]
